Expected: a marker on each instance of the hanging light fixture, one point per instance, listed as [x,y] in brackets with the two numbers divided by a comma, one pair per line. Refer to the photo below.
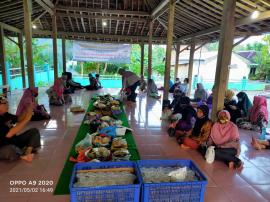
[255,14]
[34,26]
[104,23]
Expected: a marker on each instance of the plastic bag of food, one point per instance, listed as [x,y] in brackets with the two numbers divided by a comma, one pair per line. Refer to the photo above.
[84,143]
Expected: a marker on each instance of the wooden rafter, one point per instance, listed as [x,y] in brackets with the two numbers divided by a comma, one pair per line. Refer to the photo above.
[47,5]
[240,22]
[75,15]
[104,11]
[93,35]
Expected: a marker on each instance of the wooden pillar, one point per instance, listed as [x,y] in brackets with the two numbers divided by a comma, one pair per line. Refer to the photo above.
[64,53]
[150,50]
[190,67]
[2,56]
[142,59]
[27,10]
[55,62]
[176,61]
[169,50]
[224,55]
[20,43]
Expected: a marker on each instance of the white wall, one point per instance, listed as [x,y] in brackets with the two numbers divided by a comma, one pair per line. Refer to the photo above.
[208,69]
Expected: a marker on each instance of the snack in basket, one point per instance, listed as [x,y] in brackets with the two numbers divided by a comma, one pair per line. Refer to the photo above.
[121,155]
[118,143]
[101,140]
[104,178]
[167,174]
[77,109]
[115,102]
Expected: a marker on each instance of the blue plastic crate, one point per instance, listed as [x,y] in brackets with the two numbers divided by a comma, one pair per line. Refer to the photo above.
[173,191]
[118,193]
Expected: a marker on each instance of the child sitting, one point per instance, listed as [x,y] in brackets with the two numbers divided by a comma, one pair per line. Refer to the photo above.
[183,127]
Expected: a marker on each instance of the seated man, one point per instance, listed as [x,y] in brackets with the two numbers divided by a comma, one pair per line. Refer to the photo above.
[12,144]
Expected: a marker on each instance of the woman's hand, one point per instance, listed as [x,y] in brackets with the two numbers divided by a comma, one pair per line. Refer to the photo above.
[233,107]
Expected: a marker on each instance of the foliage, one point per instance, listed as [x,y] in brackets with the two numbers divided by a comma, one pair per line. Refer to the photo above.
[39,53]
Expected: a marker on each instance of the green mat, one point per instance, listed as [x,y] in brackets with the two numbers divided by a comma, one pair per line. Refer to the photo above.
[62,186]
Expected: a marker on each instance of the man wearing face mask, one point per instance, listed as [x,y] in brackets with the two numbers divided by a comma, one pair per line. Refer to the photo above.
[225,137]
[29,98]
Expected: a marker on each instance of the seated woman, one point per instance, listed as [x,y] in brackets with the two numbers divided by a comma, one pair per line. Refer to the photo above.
[183,127]
[230,104]
[258,115]
[70,83]
[56,93]
[93,84]
[200,93]
[152,90]
[241,109]
[12,144]
[67,88]
[225,137]
[201,130]
[29,100]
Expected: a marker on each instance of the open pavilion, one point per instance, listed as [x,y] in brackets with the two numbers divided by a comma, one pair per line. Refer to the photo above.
[172,22]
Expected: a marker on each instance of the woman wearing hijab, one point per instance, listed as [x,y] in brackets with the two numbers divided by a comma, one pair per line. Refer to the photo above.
[201,130]
[258,115]
[56,93]
[225,137]
[241,109]
[152,89]
[259,112]
[230,104]
[183,126]
[200,93]
[29,99]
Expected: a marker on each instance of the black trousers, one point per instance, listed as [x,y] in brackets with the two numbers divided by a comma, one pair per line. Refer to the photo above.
[132,96]
[226,155]
[11,151]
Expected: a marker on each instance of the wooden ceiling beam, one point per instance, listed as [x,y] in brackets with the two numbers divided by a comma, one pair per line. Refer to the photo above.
[74,15]
[10,28]
[94,35]
[46,6]
[161,8]
[104,11]
[202,15]
[244,21]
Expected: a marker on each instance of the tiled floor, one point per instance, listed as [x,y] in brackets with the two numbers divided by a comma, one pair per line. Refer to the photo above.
[252,184]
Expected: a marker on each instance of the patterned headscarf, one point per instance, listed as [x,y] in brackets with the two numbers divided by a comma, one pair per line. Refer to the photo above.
[3,99]
[229,95]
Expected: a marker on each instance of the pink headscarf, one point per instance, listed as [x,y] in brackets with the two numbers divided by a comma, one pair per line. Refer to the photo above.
[27,99]
[223,133]
[58,87]
[259,106]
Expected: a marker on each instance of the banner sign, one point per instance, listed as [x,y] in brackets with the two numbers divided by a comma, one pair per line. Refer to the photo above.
[101,52]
